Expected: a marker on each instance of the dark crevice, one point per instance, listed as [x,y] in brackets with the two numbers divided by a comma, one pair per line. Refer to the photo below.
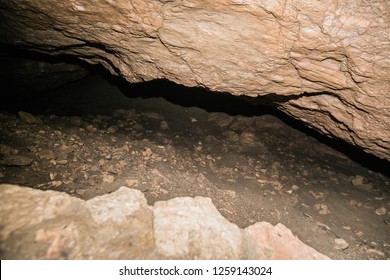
[237,105]
[20,52]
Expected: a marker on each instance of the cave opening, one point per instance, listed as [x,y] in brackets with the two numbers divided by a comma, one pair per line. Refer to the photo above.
[97,133]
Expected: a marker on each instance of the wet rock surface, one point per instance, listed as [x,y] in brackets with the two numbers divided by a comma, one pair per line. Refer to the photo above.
[254,168]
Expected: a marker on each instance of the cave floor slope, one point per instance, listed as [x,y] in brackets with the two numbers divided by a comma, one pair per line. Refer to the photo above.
[93,140]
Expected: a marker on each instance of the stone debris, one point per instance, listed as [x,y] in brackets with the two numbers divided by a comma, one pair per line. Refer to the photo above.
[147,152]
[29,118]
[353,202]
[46,154]
[341,244]
[248,139]
[108,178]
[16,160]
[164,125]
[52,225]
[153,115]
[221,119]
[381,211]
[231,193]
[358,180]
[375,251]
[322,209]
[6,150]
[318,195]
[132,183]
[231,136]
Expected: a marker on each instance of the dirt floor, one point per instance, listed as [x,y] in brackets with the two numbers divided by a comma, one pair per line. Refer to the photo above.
[91,137]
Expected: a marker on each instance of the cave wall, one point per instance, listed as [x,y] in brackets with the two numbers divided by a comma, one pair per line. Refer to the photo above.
[326,63]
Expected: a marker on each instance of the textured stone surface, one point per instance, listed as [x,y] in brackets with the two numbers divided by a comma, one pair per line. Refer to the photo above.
[193,228]
[265,241]
[38,224]
[323,62]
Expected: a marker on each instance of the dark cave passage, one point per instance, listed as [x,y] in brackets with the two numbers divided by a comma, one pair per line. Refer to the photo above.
[98,133]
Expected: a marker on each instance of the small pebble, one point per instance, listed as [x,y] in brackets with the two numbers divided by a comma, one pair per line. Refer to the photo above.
[231,193]
[112,129]
[108,178]
[322,209]
[247,139]
[132,182]
[29,118]
[147,152]
[294,188]
[359,233]
[341,244]
[164,125]
[56,184]
[381,211]
[358,180]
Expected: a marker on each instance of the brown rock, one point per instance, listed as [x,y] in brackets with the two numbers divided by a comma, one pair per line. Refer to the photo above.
[231,136]
[164,125]
[248,139]
[221,119]
[7,150]
[358,180]
[322,209]
[381,211]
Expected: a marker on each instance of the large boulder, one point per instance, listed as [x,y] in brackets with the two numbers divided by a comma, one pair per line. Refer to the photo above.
[327,63]
[38,224]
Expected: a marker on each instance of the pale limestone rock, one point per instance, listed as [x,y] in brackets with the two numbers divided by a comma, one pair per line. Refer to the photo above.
[325,63]
[117,207]
[264,241]
[25,207]
[38,224]
[193,228]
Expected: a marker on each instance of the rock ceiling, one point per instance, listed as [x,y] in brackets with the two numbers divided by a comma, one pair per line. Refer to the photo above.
[326,63]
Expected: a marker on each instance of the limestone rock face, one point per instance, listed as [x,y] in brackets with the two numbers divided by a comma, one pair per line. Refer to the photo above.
[38,224]
[326,63]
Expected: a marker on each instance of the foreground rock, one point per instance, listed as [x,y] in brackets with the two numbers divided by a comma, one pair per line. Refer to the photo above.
[325,63]
[53,225]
